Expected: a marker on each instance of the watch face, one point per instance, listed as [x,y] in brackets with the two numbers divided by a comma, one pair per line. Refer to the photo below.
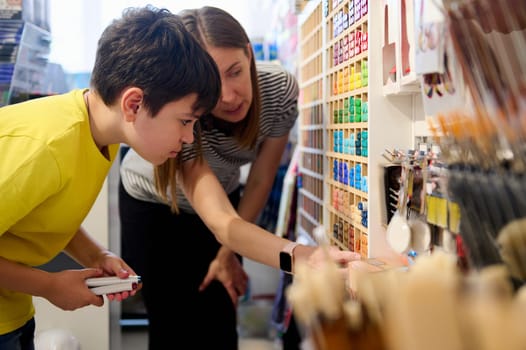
[285,262]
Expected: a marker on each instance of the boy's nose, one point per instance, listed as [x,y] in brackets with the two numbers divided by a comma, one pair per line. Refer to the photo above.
[188,135]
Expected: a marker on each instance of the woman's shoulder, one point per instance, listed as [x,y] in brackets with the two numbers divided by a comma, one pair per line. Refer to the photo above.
[279,98]
[132,162]
[274,80]
[274,70]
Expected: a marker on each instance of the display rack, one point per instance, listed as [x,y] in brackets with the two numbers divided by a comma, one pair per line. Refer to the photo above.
[346,122]
[310,138]
[24,59]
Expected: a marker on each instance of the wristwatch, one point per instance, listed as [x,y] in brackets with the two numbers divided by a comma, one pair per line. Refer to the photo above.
[286,257]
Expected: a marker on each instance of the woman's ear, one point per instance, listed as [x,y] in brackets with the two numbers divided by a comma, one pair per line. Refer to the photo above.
[131,102]
[249,51]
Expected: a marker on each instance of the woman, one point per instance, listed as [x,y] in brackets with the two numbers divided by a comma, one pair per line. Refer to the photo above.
[250,124]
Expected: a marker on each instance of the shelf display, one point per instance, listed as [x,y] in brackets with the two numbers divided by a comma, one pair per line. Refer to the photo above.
[348,130]
[345,123]
[23,62]
[25,43]
[310,139]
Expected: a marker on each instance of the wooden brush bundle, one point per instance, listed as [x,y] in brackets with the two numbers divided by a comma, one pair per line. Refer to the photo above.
[432,305]
[323,302]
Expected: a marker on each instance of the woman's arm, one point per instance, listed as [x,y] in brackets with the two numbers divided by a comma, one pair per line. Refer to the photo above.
[261,177]
[208,198]
[210,201]
[225,267]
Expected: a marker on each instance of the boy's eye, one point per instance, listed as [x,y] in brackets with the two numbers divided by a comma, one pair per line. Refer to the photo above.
[185,122]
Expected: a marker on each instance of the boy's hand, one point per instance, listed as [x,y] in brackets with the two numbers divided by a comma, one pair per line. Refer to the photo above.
[67,289]
[113,265]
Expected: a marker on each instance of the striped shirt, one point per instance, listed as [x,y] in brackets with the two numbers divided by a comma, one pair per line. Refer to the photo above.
[279,111]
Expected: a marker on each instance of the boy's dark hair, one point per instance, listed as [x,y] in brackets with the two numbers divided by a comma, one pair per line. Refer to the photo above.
[150,48]
[212,26]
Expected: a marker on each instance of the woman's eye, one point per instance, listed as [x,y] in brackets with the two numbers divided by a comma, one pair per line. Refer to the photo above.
[185,122]
[235,73]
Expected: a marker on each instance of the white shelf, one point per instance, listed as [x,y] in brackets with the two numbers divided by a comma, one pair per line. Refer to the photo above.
[399,45]
[390,120]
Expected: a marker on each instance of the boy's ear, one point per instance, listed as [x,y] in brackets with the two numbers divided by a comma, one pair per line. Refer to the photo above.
[131,102]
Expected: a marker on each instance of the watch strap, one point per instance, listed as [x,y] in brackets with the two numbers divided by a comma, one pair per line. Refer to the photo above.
[287,252]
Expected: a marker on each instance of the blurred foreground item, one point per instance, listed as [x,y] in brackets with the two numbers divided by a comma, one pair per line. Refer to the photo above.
[431,305]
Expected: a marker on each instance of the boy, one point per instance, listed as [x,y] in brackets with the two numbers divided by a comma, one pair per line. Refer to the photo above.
[147,90]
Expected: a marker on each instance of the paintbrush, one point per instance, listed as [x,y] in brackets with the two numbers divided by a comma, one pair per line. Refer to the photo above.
[512,241]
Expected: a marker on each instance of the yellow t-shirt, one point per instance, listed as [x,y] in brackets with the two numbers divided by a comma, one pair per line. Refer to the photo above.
[51,172]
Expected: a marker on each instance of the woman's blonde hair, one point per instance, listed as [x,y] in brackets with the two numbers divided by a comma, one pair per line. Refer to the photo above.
[166,173]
